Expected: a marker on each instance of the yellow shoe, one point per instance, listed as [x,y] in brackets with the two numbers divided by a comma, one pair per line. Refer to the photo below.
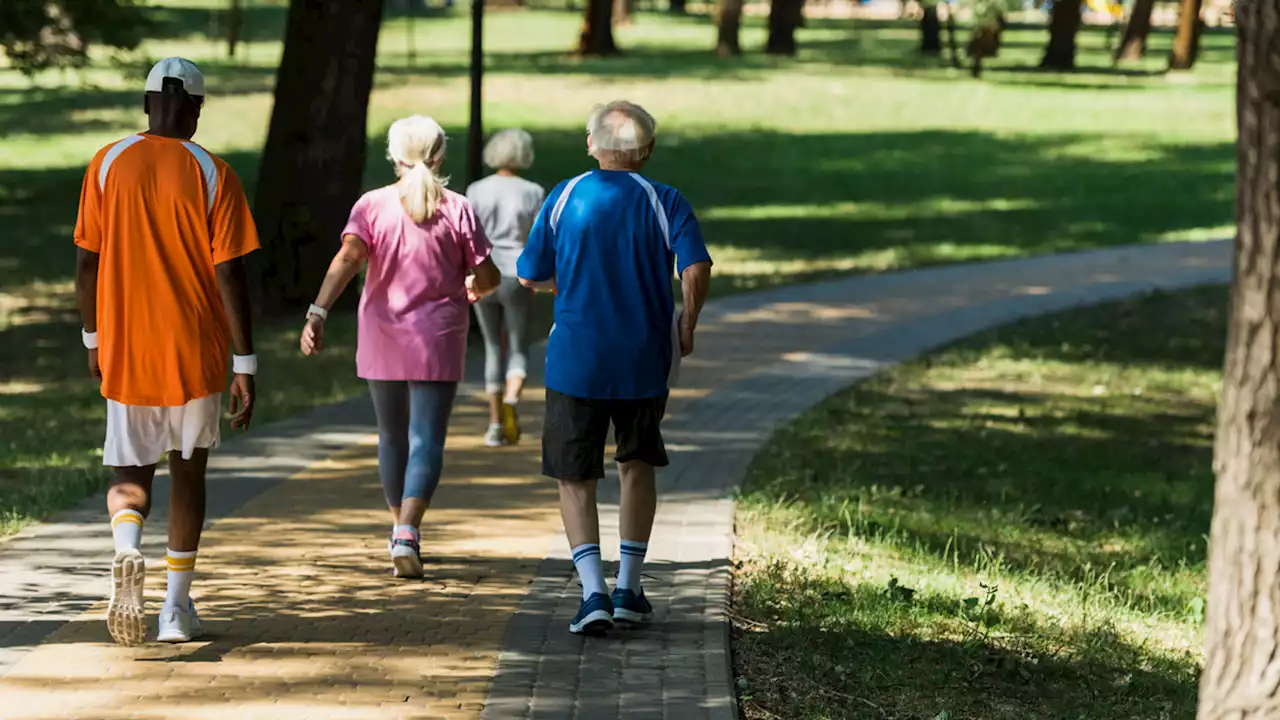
[510,424]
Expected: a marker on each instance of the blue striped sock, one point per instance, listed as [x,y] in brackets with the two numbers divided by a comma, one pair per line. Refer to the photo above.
[632,563]
[586,558]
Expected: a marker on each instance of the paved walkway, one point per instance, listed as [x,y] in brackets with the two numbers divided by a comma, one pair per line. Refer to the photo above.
[306,623]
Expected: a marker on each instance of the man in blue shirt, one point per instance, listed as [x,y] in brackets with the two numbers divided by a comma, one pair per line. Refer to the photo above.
[607,242]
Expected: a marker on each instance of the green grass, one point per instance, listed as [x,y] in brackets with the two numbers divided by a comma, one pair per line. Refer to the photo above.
[1010,528]
[857,156]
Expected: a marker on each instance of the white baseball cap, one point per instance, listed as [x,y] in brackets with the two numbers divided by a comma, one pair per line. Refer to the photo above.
[179,69]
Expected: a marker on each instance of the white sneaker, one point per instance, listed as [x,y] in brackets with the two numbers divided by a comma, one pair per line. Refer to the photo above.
[178,625]
[406,558]
[495,437]
[126,613]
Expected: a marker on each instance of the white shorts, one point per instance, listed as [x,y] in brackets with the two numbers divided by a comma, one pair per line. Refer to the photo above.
[137,436]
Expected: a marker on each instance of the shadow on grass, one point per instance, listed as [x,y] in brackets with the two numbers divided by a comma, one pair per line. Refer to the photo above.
[959,453]
[782,207]
[867,652]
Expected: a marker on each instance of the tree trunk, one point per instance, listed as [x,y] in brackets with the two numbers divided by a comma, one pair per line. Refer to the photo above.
[1064,24]
[728,23]
[930,32]
[952,44]
[235,21]
[1134,44]
[597,29]
[1186,43]
[784,17]
[1241,622]
[678,7]
[313,163]
[622,10]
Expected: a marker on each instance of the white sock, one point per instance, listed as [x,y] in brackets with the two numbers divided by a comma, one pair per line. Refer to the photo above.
[590,570]
[632,553]
[126,529]
[182,566]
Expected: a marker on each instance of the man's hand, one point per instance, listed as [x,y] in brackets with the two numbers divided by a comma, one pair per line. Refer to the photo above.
[94,370]
[686,336]
[312,341]
[241,405]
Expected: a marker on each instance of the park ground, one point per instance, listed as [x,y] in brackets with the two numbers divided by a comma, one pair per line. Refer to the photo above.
[1042,460]
[1013,527]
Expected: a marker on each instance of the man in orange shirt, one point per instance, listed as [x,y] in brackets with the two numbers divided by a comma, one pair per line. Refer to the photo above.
[161,282]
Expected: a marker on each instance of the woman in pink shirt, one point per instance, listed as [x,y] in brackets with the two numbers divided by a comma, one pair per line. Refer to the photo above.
[420,241]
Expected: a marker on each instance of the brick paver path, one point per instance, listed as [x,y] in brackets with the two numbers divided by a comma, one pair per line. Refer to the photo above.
[306,623]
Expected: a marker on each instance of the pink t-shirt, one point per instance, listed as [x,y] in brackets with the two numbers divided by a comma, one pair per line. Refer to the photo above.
[413,313]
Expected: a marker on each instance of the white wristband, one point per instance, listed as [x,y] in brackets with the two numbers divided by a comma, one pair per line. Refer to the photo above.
[90,339]
[244,364]
[318,311]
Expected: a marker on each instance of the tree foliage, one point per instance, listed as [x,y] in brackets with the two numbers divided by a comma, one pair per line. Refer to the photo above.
[39,34]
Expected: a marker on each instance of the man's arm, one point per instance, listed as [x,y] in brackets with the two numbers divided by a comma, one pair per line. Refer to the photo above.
[695,283]
[233,282]
[548,285]
[87,288]
[87,299]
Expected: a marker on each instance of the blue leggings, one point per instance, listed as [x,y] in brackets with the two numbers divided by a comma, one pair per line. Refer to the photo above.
[413,420]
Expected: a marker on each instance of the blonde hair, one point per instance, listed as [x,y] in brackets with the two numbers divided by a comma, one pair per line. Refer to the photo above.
[416,145]
[620,132]
[510,149]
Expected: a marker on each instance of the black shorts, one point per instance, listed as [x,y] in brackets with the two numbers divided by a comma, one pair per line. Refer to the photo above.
[577,429]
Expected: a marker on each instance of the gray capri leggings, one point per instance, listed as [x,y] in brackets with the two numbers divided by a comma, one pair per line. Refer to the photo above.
[514,303]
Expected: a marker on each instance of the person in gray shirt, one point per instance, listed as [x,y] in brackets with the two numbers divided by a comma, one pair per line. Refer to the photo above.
[506,205]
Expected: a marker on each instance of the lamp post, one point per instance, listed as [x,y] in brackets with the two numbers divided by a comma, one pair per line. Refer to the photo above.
[475,133]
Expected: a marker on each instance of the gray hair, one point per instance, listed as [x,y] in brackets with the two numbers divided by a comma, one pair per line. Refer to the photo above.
[509,150]
[416,146]
[620,132]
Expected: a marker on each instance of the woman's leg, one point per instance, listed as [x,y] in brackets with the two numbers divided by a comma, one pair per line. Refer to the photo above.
[431,404]
[489,315]
[391,405]
[518,307]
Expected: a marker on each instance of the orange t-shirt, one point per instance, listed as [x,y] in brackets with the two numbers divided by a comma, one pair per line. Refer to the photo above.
[161,213]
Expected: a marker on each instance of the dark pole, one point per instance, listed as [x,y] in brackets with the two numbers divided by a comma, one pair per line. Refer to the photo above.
[475,134]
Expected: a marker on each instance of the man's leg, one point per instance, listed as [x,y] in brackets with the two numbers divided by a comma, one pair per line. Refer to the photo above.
[129,503]
[582,528]
[135,437]
[635,519]
[640,451]
[573,453]
[186,520]
[193,429]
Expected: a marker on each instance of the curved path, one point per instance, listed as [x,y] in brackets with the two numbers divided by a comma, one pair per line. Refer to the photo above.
[304,621]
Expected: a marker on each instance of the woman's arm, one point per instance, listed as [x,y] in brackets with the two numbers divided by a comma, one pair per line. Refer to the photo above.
[483,280]
[346,265]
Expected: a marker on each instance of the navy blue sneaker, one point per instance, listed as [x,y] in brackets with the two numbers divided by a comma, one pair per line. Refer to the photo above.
[595,616]
[630,607]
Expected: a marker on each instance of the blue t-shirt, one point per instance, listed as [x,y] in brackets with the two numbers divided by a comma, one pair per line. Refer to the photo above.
[611,239]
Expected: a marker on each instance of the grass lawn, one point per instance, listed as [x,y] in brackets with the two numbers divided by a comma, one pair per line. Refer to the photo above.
[856,156]
[1012,528]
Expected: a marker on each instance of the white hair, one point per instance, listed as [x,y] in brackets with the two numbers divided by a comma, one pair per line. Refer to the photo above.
[416,145]
[509,150]
[621,132]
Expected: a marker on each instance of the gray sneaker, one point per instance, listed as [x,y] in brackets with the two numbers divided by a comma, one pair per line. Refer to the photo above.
[494,437]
